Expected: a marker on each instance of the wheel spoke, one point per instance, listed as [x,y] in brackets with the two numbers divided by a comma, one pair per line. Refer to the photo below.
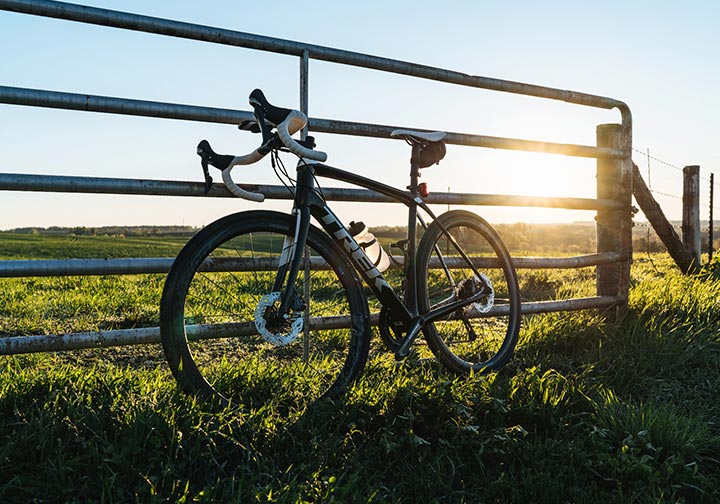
[461,340]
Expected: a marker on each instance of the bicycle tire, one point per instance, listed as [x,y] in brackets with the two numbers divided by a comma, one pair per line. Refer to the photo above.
[467,341]
[231,364]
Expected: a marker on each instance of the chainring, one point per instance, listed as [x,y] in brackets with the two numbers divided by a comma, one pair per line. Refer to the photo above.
[390,336]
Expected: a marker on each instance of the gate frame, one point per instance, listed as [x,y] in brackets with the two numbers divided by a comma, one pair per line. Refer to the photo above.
[613,154]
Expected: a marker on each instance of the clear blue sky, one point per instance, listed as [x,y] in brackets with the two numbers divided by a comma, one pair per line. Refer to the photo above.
[659,57]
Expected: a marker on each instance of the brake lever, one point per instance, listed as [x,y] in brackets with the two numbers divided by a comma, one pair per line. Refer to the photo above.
[206,172]
[252,126]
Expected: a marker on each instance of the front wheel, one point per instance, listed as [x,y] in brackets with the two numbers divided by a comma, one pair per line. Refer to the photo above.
[479,337]
[219,323]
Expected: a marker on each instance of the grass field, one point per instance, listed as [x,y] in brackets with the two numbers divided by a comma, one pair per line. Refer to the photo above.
[586,412]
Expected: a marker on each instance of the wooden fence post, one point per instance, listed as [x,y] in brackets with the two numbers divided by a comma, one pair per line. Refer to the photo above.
[614,227]
[691,213]
[663,228]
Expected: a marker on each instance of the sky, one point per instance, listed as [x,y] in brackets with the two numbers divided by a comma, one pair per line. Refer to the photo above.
[658,57]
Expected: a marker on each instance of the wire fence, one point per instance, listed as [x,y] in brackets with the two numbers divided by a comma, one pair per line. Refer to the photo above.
[652,169]
[665,181]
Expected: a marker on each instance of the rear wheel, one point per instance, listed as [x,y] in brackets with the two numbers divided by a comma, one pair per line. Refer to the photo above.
[481,336]
[220,328]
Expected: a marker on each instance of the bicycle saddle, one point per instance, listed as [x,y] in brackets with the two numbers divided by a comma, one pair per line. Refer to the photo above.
[428,147]
[419,136]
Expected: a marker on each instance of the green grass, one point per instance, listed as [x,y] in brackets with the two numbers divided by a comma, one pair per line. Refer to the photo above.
[586,411]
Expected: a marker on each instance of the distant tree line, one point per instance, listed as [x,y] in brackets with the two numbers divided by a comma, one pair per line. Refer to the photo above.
[107,231]
[574,237]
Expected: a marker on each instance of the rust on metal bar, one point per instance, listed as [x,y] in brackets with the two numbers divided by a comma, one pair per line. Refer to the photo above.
[75,341]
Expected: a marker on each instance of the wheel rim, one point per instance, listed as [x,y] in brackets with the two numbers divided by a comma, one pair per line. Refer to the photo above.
[230,359]
[469,339]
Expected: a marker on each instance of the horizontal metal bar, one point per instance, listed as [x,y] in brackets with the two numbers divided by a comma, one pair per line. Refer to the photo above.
[113,105]
[116,19]
[144,108]
[106,185]
[77,267]
[491,142]
[523,201]
[11,345]
[140,336]
[135,266]
[582,261]
[531,308]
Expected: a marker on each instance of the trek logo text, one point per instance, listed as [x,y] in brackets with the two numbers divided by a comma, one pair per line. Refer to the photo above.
[363,262]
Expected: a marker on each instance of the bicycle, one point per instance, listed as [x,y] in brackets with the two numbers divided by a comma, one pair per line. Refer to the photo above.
[263,305]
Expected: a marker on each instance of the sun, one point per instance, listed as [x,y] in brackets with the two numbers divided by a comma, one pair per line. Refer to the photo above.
[520,174]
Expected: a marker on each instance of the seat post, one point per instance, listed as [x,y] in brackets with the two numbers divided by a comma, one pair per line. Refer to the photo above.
[414,168]
[410,280]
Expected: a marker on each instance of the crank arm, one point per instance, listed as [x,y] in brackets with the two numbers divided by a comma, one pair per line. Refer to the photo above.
[407,342]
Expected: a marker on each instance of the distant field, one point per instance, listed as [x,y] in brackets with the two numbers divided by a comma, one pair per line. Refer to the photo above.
[28,246]
[521,239]
[586,411]
[32,305]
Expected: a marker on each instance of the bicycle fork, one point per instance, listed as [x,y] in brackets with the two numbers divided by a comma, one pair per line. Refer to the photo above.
[291,259]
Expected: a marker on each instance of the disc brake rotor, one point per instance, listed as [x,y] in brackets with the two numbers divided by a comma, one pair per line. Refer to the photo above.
[485,304]
[270,327]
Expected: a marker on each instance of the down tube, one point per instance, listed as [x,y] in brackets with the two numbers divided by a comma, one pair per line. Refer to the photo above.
[370,274]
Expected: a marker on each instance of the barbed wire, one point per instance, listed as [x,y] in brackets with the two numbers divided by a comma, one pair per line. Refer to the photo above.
[673,196]
[711,207]
[666,194]
[658,160]
[674,167]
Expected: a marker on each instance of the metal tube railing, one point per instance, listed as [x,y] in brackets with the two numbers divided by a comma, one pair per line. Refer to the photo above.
[99,339]
[143,265]
[112,105]
[135,22]
[42,98]
[106,185]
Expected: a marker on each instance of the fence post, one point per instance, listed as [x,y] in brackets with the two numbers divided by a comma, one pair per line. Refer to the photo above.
[304,107]
[663,228]
[304,88]
[691,213]
[614,227]
[710,218]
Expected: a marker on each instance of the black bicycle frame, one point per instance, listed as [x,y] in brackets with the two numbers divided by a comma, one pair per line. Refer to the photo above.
[309,201]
